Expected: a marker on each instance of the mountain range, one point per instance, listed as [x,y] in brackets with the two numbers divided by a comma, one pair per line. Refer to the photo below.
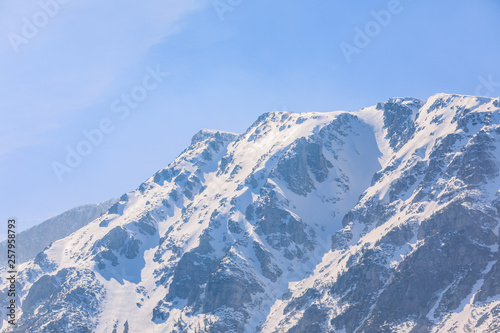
[33,240]
[384,219]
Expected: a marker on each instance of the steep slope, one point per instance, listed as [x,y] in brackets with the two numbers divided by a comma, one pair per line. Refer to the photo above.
[419,251]
[383,219]
[36,238]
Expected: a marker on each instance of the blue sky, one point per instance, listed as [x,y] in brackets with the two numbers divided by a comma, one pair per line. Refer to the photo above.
[228,61]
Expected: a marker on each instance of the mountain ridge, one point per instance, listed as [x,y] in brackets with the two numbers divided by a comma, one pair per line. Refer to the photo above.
[37,237]
[306,222]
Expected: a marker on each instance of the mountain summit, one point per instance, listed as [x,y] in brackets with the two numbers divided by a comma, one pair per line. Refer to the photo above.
[384,219]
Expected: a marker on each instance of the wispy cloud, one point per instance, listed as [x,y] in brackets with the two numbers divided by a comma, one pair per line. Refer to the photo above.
[78,50]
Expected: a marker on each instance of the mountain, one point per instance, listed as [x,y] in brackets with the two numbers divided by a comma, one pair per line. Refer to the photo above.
[384,219]
[33,240]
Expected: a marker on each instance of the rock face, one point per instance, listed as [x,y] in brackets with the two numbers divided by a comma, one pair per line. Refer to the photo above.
[380,220]
[74,295]
[419,250]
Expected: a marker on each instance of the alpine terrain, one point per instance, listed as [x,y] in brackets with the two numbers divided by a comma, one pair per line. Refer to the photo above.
[33,240]
[384,219]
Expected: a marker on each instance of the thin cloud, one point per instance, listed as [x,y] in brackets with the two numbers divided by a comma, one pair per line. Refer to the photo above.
[74,57]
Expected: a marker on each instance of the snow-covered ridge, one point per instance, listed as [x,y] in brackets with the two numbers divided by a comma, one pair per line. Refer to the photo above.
[384,219]
[35,239]
[204,134]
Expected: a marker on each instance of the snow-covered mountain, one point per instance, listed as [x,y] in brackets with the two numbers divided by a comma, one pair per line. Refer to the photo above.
[381,220]
[33,240]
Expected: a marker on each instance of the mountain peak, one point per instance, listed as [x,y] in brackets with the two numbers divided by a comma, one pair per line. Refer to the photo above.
[455,98]
[384,220]
[405,100]
[204,134]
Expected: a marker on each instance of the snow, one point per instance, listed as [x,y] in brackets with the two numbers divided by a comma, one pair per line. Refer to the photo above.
[131,287]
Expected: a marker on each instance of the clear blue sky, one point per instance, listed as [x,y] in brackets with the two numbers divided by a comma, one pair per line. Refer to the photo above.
[72,73]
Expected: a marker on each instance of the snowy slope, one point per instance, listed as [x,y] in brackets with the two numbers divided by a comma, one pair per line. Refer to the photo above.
[419,251]
[383,219]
